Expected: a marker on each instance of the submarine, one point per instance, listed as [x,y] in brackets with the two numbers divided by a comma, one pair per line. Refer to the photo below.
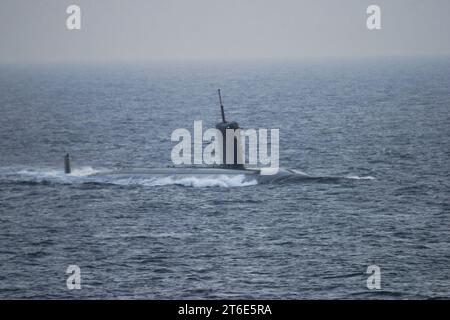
[235,167]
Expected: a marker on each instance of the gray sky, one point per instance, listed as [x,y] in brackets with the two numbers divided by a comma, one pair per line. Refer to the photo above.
[139,30]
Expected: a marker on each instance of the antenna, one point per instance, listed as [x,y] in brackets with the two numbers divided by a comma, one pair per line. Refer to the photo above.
[221,106]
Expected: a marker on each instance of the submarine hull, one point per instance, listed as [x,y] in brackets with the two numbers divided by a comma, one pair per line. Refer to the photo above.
[250,174]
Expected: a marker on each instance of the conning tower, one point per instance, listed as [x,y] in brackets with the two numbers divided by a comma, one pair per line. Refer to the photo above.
[236,161]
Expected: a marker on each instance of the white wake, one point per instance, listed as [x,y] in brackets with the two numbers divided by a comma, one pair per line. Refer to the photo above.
[361,177]
[91,175]
[200,181]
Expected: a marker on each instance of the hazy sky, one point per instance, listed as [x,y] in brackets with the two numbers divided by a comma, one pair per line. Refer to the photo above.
[135,30]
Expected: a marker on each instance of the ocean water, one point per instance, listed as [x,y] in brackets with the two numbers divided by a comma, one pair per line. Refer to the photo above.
[376,132]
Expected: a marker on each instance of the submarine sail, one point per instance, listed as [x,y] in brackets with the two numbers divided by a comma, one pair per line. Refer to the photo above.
[232,152]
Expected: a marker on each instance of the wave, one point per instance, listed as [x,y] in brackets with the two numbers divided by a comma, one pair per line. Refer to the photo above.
[222,180]
[299,172]
[352,177]
[51,173]
[89,175]
[174,235]
[46,175]
[360,178]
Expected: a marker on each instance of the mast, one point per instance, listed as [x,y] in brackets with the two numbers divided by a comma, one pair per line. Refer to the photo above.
[221,106]
[67,169]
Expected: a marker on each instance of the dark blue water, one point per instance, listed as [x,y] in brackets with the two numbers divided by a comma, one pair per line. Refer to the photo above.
[380,127]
